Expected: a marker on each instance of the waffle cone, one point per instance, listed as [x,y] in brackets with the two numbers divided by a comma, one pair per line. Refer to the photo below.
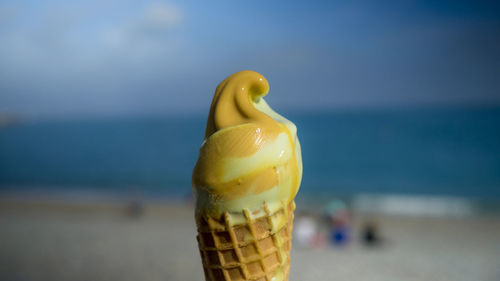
[256,248]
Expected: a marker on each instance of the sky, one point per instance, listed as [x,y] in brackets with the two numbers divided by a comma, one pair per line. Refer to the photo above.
[63,59]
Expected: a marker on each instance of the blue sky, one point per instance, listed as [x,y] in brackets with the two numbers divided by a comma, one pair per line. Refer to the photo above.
[61,59]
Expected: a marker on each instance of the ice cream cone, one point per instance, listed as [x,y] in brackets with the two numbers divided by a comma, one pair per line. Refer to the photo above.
[257,247]
[244,184]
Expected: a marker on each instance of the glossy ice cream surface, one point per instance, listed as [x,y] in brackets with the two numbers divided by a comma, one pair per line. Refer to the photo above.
[250,155]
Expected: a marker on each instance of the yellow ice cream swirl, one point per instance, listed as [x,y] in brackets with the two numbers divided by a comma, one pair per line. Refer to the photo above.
[250,154]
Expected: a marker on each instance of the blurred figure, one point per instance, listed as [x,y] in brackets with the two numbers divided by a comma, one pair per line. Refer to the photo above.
[135,209]
[370,235]
[305,230]
[340,235]
[340,220]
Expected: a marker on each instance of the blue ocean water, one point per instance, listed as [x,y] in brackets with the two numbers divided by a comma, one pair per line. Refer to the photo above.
[430,152]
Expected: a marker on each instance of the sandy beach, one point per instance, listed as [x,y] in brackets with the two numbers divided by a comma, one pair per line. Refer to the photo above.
[45,240]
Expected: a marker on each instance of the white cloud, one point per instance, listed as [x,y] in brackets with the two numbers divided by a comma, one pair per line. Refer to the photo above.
[149,35]
[165,15]
[89,57]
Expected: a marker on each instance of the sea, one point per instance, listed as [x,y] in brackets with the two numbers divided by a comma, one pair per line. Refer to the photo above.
[451,152]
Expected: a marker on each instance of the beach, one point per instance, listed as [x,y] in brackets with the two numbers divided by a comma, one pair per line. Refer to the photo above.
[109,240]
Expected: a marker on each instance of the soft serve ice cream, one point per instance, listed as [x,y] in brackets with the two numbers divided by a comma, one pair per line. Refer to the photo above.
[249,167]
[250,153]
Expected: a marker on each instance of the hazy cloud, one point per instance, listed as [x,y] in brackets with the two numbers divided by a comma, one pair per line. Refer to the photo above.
[165,15]
[130,57]
[59,63]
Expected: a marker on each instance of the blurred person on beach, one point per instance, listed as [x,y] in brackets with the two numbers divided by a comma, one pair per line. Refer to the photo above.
[135,209]
[340,221]
[370,235]
[305,228]
[307,232]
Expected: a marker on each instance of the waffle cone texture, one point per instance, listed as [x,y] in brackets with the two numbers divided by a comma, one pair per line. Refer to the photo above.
[256,248]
